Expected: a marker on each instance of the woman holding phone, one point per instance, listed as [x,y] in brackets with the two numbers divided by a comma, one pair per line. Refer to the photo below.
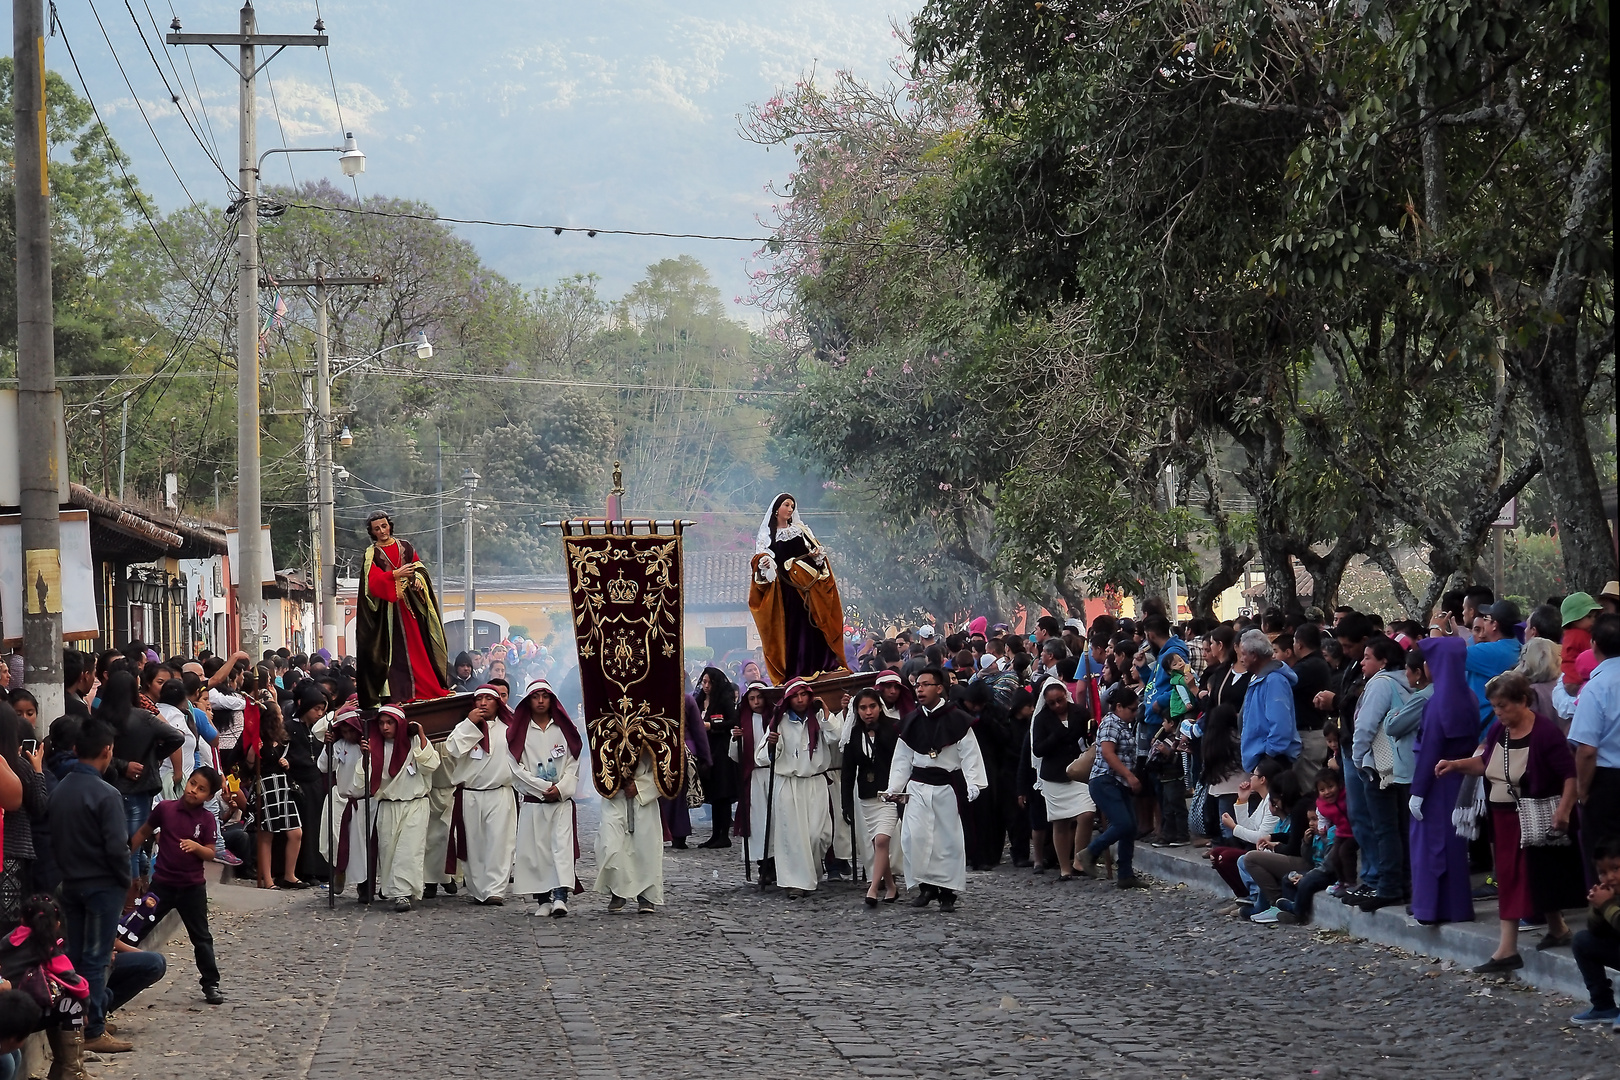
[26,760]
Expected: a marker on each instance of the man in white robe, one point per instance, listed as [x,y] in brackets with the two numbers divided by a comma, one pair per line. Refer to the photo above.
[834,722]
[936,762]
[401,774]
[481,768]
[435,852]
[544,747]
[753,720]
[343,757]
[801,815]
[630,844]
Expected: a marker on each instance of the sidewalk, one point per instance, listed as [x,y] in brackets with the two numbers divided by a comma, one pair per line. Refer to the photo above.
[1463,944]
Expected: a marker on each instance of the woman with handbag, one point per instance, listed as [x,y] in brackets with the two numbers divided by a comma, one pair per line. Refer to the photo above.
[1057,737]
[1530,780]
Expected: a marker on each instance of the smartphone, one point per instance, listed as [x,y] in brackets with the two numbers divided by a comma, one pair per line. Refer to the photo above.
[29,746]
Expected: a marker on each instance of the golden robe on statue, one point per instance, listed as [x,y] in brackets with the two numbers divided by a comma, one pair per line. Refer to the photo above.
[794,598]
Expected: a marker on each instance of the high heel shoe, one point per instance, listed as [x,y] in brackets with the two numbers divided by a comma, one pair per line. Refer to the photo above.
[895,897]
[871,901]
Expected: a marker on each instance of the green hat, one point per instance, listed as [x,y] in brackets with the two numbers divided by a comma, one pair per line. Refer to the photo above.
[1578,606]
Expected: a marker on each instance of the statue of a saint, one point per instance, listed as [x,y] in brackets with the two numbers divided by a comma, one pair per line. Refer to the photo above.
[794,598]
[401,651]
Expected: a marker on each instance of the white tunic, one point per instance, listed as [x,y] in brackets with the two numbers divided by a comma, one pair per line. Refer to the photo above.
[632,863]
[488,807]
[832,729]
[401,819]
[931,827]
[545,830]
[801,820]
[756,789]
[348,758]
[436,849]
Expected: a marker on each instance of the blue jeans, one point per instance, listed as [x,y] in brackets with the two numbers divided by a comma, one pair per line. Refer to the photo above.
[131,973]
[1386,807]
[92,922]
[10,1064]
[137,808]
[1117,803]
[1357,803]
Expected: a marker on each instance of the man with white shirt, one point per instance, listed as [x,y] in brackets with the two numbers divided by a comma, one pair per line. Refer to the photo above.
[485,815]
[937,770]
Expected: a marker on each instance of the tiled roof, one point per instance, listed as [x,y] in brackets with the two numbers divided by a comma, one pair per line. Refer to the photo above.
[717,578]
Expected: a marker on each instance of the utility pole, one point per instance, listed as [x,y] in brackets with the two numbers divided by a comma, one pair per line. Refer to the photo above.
[325,529]
[249,511]
[469,484]
[123,446]
[312,492]
[37,405]
[438,487]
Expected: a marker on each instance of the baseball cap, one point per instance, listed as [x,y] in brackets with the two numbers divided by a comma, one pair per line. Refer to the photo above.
[1577,606]
[1075,624]
[926,630]
[1505,612]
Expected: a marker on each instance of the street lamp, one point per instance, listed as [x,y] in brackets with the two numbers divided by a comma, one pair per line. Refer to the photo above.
[469,484]
[350,158]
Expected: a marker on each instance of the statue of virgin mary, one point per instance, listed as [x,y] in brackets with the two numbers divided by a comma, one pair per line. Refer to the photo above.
[794,598]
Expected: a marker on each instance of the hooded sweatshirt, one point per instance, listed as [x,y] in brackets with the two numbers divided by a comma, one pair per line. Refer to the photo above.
[1268,715]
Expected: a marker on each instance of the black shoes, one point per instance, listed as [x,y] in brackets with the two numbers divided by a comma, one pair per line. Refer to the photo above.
[212,995]
[718,840]
[679,843]
[1497,966]
[430,890]
[925,896]
[947,900]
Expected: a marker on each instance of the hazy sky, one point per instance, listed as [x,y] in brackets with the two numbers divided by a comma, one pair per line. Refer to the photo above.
[608,114]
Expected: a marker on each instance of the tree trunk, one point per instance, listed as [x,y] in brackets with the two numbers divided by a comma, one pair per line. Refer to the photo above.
[1552,388]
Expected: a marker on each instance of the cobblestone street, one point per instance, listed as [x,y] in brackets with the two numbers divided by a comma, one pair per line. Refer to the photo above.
[1027,978]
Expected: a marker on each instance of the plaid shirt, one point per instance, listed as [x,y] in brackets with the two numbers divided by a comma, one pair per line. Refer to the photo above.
[1116,731]
[1195,658]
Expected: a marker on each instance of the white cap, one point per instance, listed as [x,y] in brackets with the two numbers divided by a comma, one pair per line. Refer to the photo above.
[926,630]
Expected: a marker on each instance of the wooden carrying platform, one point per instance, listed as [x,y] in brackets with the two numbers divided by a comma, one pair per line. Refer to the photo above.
[439,716]
[831,683]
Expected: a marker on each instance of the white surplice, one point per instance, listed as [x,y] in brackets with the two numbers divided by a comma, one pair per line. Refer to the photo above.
[833,726]
[631,864]
[488,806]
[931,826]
[545,830]
[801,819]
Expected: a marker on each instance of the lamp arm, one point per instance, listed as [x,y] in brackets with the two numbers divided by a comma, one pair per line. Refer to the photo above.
[297,150]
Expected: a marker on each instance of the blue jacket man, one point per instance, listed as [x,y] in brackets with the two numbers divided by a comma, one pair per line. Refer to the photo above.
[1269,727]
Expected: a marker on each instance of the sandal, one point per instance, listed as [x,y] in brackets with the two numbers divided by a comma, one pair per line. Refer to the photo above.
[1554,941]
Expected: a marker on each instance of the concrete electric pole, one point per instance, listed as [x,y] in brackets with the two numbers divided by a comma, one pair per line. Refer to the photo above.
[37,409]
[249,510]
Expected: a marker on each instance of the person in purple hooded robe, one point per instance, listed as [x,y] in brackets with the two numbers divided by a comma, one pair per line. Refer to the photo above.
[677,816]
[1450,729]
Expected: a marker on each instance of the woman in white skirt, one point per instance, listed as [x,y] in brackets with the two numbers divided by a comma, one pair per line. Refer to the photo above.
[869,741]
[1057,737]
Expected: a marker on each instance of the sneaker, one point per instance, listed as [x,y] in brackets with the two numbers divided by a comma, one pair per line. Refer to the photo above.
[645,906]
[1288,918]
[1087,864]
[1266,917]
[1486,891]
[1131,882]
[495,901]
[1596,1017]
[616,902]
[1537,923]
[226,857]
[542,909]
[402,904]
[1286,905]
[107,1044]
[558,909]
[212,995]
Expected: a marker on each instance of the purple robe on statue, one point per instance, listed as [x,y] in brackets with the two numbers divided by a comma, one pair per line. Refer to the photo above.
[1440,885]
[677,817]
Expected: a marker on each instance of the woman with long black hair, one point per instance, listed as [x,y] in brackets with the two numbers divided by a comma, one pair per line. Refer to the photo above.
[16,875]
[717,705]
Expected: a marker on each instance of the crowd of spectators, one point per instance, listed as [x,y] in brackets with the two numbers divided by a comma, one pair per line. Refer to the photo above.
[1443,769]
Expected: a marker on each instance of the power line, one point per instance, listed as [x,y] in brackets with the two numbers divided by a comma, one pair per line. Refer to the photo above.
[326,53]
[137,99]
[572,384]
[175,98]
[593,231]
[195,84]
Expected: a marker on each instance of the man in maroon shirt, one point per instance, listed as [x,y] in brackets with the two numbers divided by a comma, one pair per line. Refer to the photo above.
[187,834]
